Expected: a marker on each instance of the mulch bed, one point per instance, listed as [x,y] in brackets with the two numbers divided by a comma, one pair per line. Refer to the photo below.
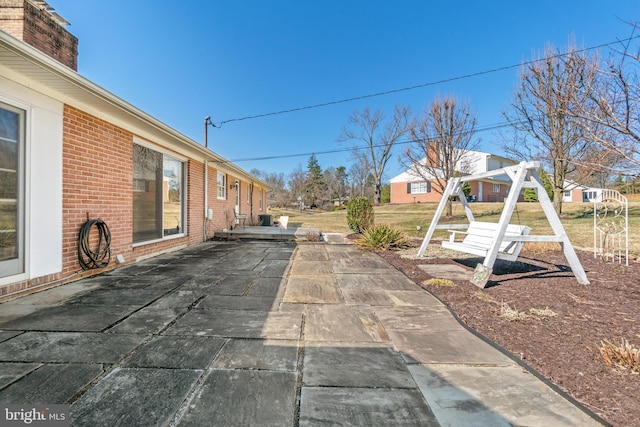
[561,341]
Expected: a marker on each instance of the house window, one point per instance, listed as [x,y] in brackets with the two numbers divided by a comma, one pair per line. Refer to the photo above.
[249,193]
[260,198]
[158,195]
[496,188]
[12,143]
[421,187]
[567,194]
[222,186]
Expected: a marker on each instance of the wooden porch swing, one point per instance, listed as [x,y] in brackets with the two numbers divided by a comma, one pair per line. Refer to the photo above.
[501,240]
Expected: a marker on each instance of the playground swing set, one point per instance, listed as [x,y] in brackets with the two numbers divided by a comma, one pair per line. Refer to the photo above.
[501,240]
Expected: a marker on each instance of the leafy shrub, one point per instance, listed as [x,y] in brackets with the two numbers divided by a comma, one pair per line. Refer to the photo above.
[359,214]
[381,237]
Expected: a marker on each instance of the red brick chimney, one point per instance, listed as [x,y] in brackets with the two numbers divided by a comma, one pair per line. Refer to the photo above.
[36,23]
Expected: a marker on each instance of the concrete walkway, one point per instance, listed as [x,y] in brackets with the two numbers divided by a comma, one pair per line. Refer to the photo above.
[265,334]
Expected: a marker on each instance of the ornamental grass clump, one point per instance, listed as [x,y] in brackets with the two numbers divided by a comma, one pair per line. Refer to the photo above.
[624,355]
[382,237]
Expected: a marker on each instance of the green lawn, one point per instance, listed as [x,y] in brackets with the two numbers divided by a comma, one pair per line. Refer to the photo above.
[577,219]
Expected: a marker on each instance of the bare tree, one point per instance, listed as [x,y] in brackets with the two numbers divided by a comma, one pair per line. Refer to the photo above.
[295,182]
[441,140]
[613,111]
[360,174]
[370,127]
[336,179]
[278,194]
[550,88]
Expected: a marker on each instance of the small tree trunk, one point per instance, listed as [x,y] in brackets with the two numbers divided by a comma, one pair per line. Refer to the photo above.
[449,207]
[557,199]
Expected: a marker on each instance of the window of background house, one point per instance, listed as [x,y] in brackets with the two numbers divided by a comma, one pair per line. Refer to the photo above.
[421,187]
[158,194]
[222,186]
[496,188]
[260,199]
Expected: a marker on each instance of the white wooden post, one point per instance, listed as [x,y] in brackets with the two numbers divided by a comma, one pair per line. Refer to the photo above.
[558,229]
[448,190]
[483,271]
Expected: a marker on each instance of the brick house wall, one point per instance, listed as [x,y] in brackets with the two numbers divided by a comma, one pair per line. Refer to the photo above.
[400,193]
[80,163]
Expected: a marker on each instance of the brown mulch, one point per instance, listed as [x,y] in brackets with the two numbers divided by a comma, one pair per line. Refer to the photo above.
[560,344]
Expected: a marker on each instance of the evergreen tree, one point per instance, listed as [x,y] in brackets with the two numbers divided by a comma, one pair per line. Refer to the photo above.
[314,184]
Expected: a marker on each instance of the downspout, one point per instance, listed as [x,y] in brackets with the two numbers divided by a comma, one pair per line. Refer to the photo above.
[251,201]
[207,121]
[206,199]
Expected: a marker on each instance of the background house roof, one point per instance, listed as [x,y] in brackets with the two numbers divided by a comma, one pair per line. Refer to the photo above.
[474,162]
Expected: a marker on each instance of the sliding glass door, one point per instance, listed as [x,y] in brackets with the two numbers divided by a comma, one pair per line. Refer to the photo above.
[11,190]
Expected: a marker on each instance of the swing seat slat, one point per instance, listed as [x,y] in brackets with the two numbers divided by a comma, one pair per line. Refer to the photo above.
[479,236]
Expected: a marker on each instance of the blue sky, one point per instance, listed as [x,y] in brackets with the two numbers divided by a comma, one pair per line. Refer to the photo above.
[183,61]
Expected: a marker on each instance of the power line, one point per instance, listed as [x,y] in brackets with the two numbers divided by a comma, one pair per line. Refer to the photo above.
[423,85]
[342,150]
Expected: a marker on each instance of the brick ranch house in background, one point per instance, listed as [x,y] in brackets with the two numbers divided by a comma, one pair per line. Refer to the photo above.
[411,187]
[70,149]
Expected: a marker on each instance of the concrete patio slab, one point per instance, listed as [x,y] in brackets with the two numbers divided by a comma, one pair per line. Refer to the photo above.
[369,367]
[5,335]
[81,318]
[116,297]
[266,287]
[10,372]
[416,318]
[321,289]
[372,297]
[374,280]
[311,268]
[134,397]
[238,324]
[149,320]
[243,398]
[270,355]
[357,265]
[340,323]
[272,268]
[57,295]
[311,253]
[53,384]
[446,346]
[176,353]
[179,298]
[447,271]
[228,302]
[413,298]
[364,407]
[491,392]
[233,285]
[68,347]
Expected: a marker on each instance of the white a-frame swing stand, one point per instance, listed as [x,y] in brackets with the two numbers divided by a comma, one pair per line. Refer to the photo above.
[502,240]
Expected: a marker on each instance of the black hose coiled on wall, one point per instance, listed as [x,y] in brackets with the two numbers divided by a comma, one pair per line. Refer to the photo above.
[101,255]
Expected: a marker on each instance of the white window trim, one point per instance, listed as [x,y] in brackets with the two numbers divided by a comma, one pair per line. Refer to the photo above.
[185,164]
[419,184]
[224,185]
[498,188]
